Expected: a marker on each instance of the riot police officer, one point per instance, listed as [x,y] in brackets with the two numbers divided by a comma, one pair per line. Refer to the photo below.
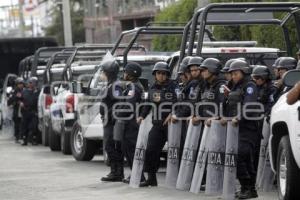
[274,66]
[29,111]
[15,100]
[133,92]
[162,91]
[285,64]
[266,90]
[244,91]
[110,70]
[212,90]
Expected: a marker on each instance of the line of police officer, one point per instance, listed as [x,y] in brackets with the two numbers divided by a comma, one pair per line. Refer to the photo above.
[199,81]
[24,101]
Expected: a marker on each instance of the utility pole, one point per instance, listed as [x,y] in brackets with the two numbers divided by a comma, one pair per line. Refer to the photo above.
[67,23]
[21,18]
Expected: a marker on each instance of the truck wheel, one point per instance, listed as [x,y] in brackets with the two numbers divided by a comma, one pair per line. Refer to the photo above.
[288,173]
[45,135]
[65,142]
[82,148]
[54,139]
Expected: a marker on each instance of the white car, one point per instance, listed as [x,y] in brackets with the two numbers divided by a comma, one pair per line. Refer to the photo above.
[87,132]
[284,143]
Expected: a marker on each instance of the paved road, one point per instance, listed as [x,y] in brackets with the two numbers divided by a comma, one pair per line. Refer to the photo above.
[36,173]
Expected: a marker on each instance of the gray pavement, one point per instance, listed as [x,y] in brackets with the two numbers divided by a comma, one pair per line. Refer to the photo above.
[36,173]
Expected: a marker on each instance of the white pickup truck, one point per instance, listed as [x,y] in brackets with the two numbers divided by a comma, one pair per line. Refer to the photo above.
[284,143]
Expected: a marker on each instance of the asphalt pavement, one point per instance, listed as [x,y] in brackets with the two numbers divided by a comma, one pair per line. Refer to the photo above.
[36,173]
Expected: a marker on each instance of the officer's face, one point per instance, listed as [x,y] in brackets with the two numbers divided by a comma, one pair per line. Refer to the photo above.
[276,73]
[103,76]
[20,85]
[237,76]
[182,78]
[125,76]
[258,80]
[195,72]
[206,74]
[161,76]
[188,75]
[281,72]
[227,76]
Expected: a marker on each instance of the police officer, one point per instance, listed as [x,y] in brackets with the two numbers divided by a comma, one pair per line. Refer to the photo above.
[212,90]
[133,92]
[285,64]
[162,91]
[266,90]
[244,91]
[110,70]
[275,70]
[29,111]
[15,100]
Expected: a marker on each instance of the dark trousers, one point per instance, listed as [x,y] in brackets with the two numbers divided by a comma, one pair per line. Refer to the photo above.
[29,126]
[17,125]
[246,172]
[112,147]
[156,140]
[129,140]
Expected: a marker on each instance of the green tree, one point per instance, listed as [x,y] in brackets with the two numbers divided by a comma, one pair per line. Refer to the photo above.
[181,11]
[55,29]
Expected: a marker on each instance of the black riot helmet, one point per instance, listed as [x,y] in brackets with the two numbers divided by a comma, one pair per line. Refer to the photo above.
[228,63]
[261,71]
[287,63]
[133,69]
[240,65]
[197,60]
[161,66]
[276,62]
[111,69]
[213,65]
[184,64]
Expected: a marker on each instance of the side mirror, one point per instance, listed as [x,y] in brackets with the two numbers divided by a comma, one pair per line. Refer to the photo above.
[291,78]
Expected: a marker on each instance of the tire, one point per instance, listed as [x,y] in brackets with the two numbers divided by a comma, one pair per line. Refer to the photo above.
[288,173]
[65,142]
[54,140]
[82,148]
[45,134]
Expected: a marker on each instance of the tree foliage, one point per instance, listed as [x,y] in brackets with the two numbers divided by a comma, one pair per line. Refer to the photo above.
[181,12]
[56,28]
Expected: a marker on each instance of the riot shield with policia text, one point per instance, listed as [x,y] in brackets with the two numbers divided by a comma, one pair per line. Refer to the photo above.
[230,170]
[188,158]
[140,152]
[215,158]
[200,165]
[174,139]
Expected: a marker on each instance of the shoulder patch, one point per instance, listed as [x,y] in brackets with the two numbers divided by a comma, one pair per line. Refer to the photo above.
[250,90]
[221,90]
[130,93]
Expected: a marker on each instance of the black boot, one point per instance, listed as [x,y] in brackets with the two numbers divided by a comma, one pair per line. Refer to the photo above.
[151,181]
[115,174]
[24,143]
[248,193]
